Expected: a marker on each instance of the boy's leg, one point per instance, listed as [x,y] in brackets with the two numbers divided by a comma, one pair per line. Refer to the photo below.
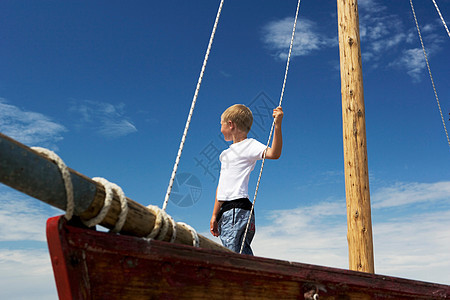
[241,224]
[232,226]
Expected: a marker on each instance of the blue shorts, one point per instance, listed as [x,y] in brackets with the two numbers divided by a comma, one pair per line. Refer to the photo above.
[232,226]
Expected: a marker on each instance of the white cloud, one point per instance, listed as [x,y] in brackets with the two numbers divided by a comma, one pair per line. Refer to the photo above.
[277,37]
[105,119]
[26,274]
[22,218]
[25,267]
[29,128]
[386,40]
[413,244]
[411,193]
[370,6]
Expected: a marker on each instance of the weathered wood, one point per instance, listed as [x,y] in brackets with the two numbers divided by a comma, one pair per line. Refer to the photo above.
[359,221]
[92,265]
[33,174]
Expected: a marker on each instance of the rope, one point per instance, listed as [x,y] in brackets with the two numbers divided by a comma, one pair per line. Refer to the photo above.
[194,100]
[442,19]
[195,240]
[157,211]
[107,203]
[110,188]
[429,71]
[273,125]
[162,218]
[65,176]
[161,226]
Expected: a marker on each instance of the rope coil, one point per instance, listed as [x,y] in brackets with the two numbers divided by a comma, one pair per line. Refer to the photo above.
[195,240]
[161,226]
[70,206]
[110,188]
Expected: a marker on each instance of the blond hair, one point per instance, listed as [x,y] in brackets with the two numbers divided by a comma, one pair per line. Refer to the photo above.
[240,115]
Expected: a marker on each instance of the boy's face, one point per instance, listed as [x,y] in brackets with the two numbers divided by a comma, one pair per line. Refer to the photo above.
[226,127]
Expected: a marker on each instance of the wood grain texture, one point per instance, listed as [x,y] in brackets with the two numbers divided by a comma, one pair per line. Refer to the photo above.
[359,220]
[108,266]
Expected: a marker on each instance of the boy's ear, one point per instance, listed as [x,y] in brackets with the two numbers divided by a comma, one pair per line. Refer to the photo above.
[230,124]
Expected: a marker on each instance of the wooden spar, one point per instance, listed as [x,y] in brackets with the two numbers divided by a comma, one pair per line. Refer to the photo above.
[33,174]
[359,223]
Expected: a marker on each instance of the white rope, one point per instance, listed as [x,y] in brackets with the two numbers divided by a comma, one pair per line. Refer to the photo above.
[194,100]
[165,226]
[429,72]
[123,209]
[110,188]
[161,226]
[174,229]
[106,205]
[65,176]
[159,219]
[272,128]
[195,240]
[442,19]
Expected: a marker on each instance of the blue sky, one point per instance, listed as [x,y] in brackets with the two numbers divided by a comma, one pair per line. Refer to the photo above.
[108,86]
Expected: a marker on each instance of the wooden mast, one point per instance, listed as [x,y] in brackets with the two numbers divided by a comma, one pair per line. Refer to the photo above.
[359,224]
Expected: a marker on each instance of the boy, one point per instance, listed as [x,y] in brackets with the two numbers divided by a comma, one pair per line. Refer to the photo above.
[232,206]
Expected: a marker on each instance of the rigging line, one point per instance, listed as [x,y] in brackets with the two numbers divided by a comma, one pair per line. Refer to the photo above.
[442,19]
[273,125]
[194,100]
[429,71]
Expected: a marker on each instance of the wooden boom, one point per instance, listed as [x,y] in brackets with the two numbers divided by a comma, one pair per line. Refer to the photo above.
[35,175]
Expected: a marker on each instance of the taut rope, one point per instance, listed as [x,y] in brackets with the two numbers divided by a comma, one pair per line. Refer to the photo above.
[429,71]
[194,100]
[273,125]
[442,19]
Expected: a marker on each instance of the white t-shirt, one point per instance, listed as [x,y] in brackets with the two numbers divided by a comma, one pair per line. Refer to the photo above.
[237,162]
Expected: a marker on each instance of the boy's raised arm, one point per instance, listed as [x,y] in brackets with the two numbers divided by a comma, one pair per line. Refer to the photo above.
[274,152]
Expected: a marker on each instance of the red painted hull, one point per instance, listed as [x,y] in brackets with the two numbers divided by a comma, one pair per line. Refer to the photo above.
[95,265]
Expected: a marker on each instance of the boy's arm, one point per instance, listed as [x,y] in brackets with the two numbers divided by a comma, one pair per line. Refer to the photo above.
[274,152]
[213,223]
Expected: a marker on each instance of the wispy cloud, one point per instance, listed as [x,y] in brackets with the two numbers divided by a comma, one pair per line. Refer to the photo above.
[411,193]
[386,40]
[104,118]
[26,274]
[277,37]
[414,245]
[25,267]
[21,217]
[30,128]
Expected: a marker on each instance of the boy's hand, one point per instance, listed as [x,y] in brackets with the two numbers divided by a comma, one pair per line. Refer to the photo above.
[278,115]
[214,228]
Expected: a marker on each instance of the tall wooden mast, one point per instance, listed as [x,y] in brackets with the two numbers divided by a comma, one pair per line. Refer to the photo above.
[359,223]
